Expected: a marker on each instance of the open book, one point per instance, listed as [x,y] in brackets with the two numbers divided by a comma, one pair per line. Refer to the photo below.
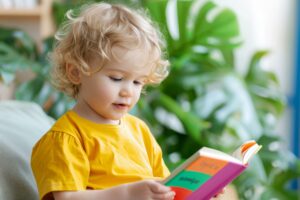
[207,171]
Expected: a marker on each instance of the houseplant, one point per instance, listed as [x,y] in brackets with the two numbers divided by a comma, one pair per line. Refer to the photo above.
[211,104]
[18,53]
[204,101]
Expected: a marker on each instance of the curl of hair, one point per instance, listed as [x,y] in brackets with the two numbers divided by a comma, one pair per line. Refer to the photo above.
[92,35]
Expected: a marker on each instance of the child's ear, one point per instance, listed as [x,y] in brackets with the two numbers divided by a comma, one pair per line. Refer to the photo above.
[73,74]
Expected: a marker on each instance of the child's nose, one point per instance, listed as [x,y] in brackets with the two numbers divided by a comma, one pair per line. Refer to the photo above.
[126,91]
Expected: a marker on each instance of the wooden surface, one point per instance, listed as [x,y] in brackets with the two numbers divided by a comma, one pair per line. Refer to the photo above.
[37,22]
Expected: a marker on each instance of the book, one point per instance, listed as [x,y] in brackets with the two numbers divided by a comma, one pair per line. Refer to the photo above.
[208,171]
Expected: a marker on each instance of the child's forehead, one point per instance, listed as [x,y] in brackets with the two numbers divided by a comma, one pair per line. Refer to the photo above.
[136,57]
[129,62]
[128,70]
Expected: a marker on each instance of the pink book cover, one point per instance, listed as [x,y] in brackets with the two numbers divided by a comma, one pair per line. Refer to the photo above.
[206,172]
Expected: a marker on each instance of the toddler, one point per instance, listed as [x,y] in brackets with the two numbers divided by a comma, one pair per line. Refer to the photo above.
[103,58]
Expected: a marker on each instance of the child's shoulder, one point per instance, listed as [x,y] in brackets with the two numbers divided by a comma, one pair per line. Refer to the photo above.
[133,119]
[65,122]
[64,125]
[135,123]
[61,131]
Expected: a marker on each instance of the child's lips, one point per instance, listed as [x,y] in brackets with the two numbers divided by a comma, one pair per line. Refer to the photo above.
[121,106]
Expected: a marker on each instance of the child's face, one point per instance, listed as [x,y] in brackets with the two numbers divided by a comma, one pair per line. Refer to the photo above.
[108,94]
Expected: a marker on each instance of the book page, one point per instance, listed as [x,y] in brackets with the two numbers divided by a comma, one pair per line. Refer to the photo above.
[246,151]
[213,153]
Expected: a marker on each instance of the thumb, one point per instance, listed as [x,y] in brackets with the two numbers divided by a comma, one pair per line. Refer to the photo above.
[157,187]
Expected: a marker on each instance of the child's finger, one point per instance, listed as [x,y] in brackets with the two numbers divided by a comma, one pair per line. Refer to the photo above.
[159,188]
[164,196]
[220,193]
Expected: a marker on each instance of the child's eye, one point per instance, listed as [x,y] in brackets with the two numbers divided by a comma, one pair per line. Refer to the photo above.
[115,78]
[138,82]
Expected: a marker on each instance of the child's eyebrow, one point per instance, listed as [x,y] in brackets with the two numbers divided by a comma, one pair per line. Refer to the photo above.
[125,72]
[115,70]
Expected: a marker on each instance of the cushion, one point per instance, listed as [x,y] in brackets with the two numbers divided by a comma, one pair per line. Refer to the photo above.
[21,125]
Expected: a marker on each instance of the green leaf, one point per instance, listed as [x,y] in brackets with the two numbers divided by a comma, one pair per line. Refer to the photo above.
[183,14]
[264,87]
[12,61]
[201,17]
[254,67]
[192,124]
[20,41]
[224,25]
[218,31]
[157,10]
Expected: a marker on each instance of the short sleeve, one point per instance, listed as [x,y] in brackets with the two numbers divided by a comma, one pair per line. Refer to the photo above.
[159,167]
[59,163]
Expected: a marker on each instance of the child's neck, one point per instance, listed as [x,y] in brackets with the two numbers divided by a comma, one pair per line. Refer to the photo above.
[88,113]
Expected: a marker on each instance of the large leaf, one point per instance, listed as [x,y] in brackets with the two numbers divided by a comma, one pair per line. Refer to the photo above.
[191,122]
[20,41]
[12,61]
[264,87]
[158,14]
[219,30]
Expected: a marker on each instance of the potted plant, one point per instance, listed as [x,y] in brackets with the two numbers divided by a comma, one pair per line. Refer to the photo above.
[206,102]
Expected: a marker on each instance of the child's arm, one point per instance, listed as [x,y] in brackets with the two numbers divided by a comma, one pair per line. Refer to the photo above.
[146,190]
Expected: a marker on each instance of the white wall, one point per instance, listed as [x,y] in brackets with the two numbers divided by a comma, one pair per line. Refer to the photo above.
[269,24]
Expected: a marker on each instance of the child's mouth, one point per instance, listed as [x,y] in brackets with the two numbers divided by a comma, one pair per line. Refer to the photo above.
[121,106]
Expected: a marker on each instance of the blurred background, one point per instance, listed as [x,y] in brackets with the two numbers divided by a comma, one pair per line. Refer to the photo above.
[235,76]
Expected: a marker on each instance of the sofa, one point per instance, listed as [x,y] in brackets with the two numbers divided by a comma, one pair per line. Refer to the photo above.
[21,125]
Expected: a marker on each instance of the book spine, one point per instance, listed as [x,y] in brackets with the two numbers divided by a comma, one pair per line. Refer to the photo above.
[216,183]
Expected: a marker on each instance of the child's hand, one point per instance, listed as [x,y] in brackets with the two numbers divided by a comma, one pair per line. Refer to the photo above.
[149,190]
[220,193]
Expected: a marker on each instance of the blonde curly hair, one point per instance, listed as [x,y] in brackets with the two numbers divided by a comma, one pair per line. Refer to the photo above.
[94,32]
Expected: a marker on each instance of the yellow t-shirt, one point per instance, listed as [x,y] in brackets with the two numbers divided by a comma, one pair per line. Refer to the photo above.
[78,154]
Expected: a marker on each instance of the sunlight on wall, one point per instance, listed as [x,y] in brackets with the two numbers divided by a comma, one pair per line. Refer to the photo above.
[269,25]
